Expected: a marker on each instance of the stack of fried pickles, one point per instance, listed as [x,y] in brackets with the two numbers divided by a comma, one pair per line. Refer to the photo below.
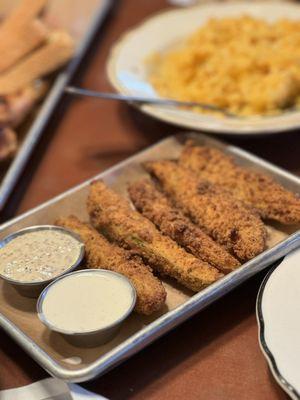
[200,217]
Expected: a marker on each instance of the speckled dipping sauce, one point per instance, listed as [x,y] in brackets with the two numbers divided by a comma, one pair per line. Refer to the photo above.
[39,255]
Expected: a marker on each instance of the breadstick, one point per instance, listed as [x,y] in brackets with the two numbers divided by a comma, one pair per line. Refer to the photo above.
[54,54]
[25,11]
[21,103]
[18,43]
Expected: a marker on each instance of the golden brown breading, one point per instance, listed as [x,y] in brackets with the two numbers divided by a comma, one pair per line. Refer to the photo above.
[110,213]
[220,215]
[100,253]
[171,221]
[256,189]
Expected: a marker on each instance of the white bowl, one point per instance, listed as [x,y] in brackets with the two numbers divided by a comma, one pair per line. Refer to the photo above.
[128,72]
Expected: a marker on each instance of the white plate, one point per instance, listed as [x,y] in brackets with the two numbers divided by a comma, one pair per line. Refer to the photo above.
[278,316]
[127,69]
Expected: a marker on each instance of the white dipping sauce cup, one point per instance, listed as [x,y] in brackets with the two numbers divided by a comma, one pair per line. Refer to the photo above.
[63,319]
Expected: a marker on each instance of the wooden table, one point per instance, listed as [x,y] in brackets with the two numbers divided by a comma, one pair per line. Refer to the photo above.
[214,355]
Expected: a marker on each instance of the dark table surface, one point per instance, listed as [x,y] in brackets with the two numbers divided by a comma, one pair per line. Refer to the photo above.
[213,356]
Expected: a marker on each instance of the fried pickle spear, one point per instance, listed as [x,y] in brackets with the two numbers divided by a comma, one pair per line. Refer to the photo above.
[221,216]
[100,253]
[114,216]
[155,206]
[256,189]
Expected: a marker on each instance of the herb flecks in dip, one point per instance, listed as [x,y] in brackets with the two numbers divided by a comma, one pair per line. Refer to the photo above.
[39,255]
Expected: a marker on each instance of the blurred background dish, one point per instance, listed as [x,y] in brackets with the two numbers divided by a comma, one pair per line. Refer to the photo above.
[24,113]
[129,72]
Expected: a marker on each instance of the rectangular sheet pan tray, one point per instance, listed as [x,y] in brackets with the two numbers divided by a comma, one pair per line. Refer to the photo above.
[60,359]
[82,20]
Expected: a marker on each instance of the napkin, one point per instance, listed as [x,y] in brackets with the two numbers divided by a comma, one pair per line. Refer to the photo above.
[49,389]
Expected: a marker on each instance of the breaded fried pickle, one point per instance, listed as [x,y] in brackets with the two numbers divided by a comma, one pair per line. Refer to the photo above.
[256,189]
[110,213]
[172,222]
[221,216]
[100,253]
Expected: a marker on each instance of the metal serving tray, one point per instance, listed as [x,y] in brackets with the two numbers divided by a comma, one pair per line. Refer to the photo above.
[58,357]
[82,20]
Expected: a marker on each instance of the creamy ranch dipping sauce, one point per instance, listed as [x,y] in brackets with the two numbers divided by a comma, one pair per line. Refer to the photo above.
[85,302]
[39,255]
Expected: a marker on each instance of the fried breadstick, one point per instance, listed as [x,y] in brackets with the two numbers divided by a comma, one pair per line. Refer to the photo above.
[25,11]
[110,213]
[171,221]
[16,106]
[100,253]
[256,189]
[19,104]
[221,216]
[8,144]
[49,57]
[20,42]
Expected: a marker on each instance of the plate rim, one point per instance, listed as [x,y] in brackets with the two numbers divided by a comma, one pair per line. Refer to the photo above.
[151,110]
[280,379]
